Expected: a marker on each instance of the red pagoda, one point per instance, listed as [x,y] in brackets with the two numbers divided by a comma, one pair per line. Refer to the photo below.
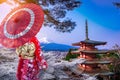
[93,65]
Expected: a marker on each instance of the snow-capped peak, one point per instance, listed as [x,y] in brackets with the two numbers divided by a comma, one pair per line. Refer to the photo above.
[44,40]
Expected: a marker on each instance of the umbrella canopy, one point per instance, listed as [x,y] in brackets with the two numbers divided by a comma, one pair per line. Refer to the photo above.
[21,24]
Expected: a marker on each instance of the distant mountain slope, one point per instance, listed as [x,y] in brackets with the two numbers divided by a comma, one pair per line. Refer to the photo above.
[55,47]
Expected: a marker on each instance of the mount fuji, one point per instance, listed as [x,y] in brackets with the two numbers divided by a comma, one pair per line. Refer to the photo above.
[46,45]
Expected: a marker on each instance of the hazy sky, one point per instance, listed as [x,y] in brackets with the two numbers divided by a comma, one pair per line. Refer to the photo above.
[103,21]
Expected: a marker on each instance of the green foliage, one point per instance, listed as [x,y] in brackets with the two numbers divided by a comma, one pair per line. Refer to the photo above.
[70,55]
[115,66]
[111,67]
[113,55]
[99,56]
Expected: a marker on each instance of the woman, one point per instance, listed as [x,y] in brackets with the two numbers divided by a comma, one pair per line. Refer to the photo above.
[31,60]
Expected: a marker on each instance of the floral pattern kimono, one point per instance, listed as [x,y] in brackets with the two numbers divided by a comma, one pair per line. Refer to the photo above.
[31,60]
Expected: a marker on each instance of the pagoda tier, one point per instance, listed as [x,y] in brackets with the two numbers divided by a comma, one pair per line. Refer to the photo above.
[89,42]
[96,72]
[89,54]
[90,65]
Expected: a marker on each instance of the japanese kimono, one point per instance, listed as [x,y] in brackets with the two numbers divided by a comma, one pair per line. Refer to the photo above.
[31,60]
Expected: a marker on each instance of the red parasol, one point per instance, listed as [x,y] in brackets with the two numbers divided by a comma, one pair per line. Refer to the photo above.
[20,25]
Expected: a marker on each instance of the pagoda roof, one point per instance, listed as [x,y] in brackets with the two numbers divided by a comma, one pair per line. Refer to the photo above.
[96,62]
[89,42]
[98,72]
[96,51]
[91,52]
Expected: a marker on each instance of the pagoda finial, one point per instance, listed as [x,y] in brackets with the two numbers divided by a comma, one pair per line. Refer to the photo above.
[86,29]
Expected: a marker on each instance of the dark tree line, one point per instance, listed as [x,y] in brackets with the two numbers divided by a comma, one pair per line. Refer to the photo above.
[55,12]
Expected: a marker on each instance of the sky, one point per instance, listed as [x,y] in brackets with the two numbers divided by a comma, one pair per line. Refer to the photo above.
[103,23]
